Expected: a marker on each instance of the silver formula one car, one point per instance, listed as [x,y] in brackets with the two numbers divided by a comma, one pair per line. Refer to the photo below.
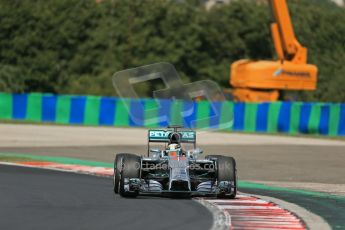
[173,169]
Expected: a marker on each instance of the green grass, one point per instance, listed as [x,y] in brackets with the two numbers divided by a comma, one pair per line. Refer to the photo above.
[258,186]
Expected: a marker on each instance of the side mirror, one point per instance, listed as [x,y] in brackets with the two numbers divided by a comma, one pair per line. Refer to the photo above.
[198,151]
[155,151]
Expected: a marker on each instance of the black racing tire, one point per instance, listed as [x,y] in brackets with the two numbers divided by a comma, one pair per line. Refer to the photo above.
[117,170]
[130,169]
[226,171]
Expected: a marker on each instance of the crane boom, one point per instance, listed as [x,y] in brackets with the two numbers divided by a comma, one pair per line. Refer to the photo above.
[282,28]
[287,34]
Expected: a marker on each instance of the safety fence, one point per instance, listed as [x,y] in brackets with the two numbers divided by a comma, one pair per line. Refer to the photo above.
[286,117]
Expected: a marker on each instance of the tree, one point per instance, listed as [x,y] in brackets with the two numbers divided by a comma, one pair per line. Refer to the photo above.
[73,46]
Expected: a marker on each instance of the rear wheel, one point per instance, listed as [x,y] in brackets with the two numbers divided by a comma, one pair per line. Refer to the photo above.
[130,169]
[226,171]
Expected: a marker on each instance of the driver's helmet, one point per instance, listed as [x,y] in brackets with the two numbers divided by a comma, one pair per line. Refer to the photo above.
[174,138]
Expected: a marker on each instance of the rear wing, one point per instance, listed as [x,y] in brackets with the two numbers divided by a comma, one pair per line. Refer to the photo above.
[163,136]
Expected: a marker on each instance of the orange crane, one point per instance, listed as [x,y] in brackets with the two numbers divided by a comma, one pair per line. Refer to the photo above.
[258,81]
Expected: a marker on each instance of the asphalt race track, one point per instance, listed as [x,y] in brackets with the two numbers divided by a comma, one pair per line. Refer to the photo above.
[288,162]
[44,199]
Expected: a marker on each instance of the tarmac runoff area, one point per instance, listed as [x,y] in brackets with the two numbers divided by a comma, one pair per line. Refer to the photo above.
[20,135]
[274,160]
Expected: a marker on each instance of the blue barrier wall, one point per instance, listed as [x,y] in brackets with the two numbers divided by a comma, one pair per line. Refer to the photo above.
[285,117]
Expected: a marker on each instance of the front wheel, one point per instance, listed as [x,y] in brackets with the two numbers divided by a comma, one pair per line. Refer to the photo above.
[130,169]
[117,170]
[226,171]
